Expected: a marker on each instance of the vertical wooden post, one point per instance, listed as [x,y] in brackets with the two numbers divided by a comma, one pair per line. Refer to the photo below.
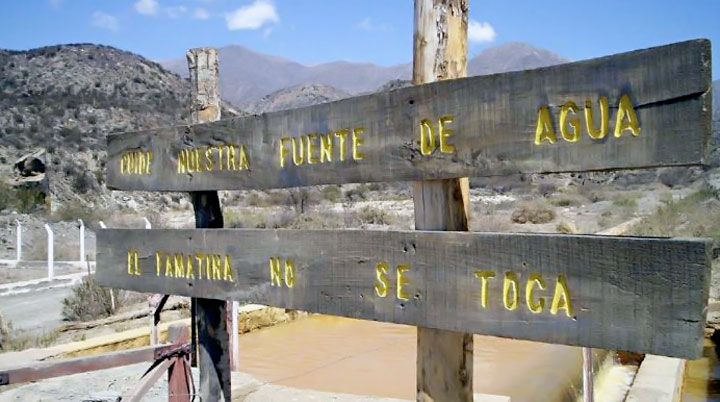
[588,390]
[444,358]
[213,354]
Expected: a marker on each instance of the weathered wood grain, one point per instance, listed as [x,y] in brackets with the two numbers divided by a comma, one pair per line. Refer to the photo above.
[646,295]
[212,336]
[444,359]
[495,119]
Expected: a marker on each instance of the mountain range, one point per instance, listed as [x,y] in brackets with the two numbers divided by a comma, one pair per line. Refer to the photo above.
[247,76]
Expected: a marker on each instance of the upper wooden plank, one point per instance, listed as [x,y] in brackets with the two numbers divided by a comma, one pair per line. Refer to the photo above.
[645,295]
[493,121]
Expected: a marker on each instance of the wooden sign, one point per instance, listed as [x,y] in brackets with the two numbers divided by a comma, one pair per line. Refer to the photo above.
[645,108]
[645,295]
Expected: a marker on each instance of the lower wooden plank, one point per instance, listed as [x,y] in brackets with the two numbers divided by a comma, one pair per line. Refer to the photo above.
[647,295]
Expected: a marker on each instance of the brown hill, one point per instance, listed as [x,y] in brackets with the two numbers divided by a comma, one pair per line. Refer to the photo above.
[67,98]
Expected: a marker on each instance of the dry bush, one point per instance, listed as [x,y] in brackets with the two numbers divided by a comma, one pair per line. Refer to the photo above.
[72,211]
[566,227]
[244,219]
[21,340]
[370,215]
[625,199]
[697,215]
[318,220]
[538,212]
[566,201]
[592,191]
[89,301]
[331,193]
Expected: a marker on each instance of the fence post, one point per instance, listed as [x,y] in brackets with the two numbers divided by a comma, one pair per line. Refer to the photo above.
[178,379]
[235,361]
[19,241]
[210,315]
[444,358]
[50,254]
[587,375]
[82,240]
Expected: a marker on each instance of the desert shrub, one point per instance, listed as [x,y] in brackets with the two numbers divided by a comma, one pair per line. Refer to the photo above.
[625,200]
[534,213]
[244,219]
[565,227]
[279,220]
[316,220]
[697,215]
[300,198]
[376,186]
[6,196]
[356,194]
[592,191]
[283,197]
[566,201]
[88,301]
[28,199]
[72,211]
[83,182]
[21,340]
[331,193]
[547,189]
[254,199]
[369,215]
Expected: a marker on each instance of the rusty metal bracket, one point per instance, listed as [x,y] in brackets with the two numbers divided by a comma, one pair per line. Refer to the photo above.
[172,351]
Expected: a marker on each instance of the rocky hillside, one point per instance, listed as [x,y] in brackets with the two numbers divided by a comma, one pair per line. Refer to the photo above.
[247,76]
[67,98]
[297,96]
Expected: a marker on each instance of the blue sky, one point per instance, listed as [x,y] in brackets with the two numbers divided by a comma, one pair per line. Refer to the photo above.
[377,31]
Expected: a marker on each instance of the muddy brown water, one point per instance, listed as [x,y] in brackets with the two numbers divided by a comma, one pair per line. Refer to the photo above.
[344,355]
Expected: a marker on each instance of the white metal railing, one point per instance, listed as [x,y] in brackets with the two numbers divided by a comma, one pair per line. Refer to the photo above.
[51,262]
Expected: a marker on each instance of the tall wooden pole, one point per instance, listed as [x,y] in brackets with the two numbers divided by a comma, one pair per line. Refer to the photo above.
[210,315]
[444,358]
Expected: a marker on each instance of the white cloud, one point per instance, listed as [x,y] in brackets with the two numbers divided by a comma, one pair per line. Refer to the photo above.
[146,7]
[480,32]
[252,16]
[175,12]
[105,21]
[55,3]
[367,25]
[201,14]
